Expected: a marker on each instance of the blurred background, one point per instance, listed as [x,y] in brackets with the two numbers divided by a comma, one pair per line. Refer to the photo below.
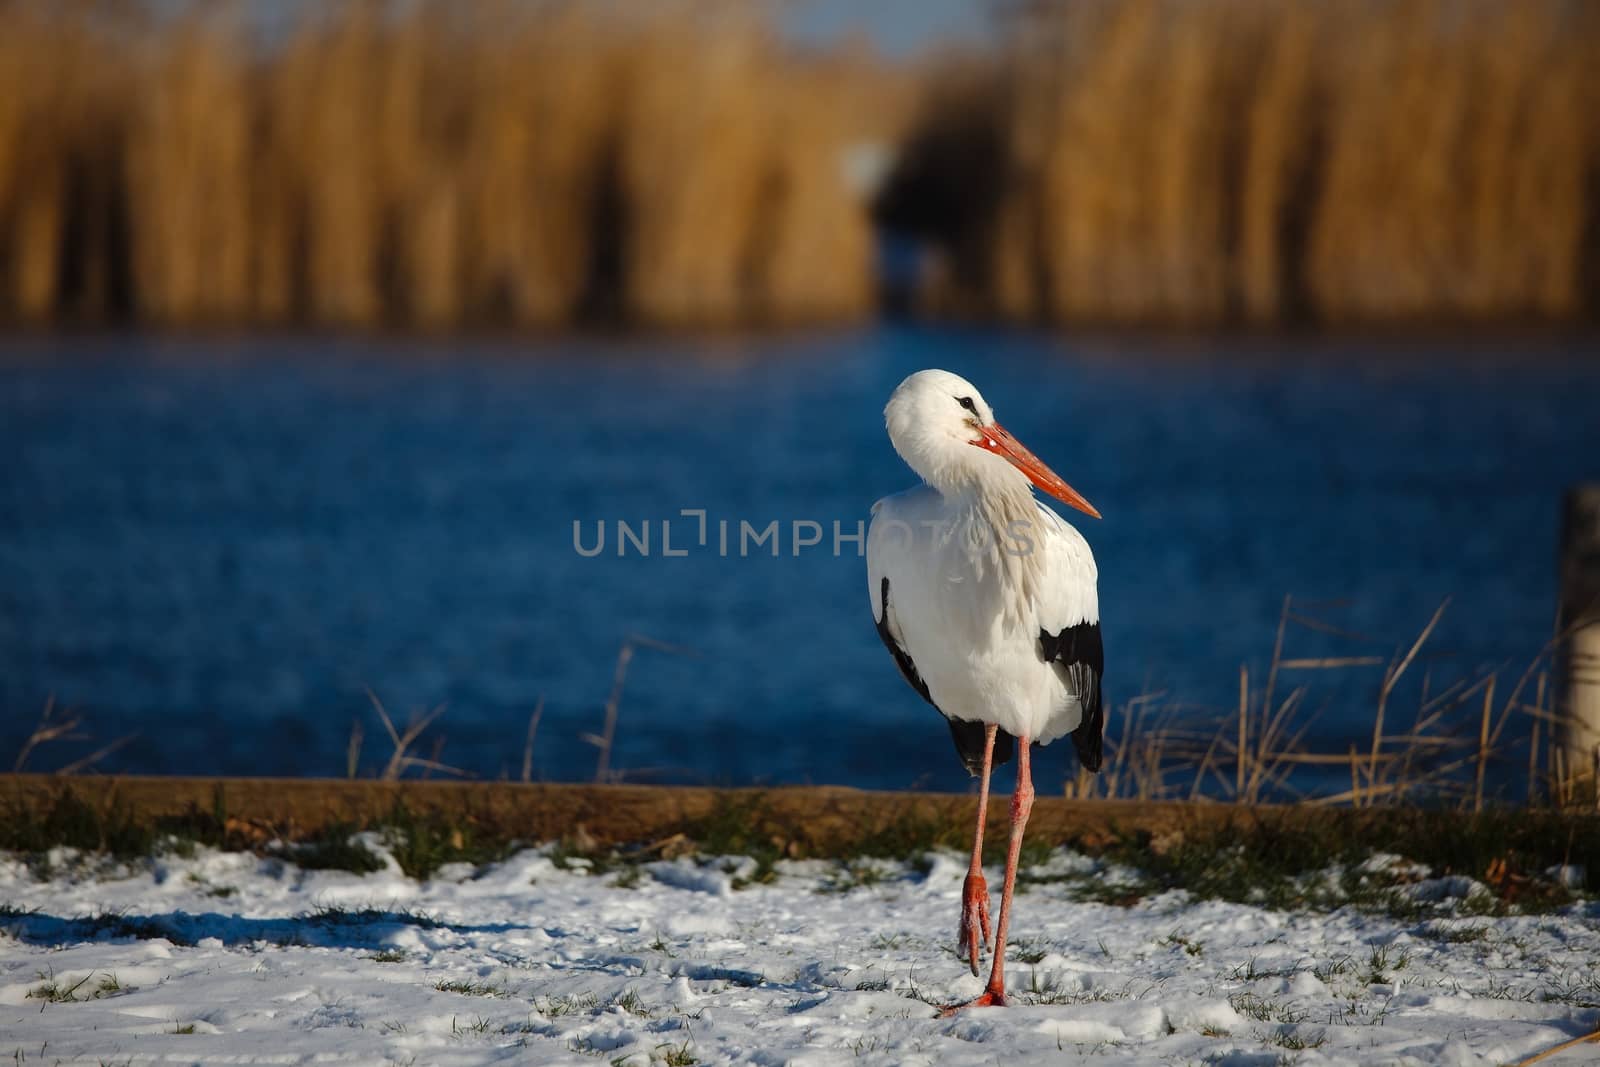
[326,322]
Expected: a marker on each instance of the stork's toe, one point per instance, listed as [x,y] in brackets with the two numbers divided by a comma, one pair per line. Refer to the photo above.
[975,931]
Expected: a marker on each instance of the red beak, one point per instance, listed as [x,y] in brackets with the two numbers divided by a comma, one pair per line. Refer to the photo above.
[997,440]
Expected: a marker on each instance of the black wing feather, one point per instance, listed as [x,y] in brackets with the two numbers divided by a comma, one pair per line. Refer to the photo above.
[1077,650]
[967,735]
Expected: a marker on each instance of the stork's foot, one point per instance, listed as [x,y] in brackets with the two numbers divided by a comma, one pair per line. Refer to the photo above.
[975,929]
[989,998]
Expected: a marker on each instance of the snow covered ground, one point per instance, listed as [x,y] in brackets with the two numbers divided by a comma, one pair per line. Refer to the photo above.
[229,958]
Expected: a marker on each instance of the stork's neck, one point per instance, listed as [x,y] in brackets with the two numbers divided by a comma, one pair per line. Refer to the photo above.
[995,491]
[993,500]
[996,524]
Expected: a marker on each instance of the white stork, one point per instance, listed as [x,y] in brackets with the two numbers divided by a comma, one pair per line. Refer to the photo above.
[986,600]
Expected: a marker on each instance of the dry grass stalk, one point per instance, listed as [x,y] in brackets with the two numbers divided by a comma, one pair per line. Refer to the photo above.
[527,744]
[1391,679]
[608,735]
[399,760]
[1243,748]
[1483,744]
[1571,1043]
[50,729]
[1145,753]
[80,765]
[1257,752]
[352,751]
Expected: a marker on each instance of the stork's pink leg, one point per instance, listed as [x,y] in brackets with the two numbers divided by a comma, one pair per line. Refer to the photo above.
[1021,804]
[975,892]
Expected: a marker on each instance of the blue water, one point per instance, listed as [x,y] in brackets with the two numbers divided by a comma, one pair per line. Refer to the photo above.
[218,545]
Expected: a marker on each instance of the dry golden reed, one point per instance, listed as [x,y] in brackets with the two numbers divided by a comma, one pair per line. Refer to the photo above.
[536,163]
[62,107]
[1220,160]
[368,162]
[734,180]
[1433,738]
[189,172]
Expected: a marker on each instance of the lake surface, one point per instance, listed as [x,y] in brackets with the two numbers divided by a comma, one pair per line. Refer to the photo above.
[219,545]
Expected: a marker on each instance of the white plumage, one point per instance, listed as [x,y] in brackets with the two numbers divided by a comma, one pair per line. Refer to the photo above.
[968,612]
[987,601]
[977,567]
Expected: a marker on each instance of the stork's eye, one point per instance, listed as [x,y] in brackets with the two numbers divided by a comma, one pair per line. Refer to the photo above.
[966,402]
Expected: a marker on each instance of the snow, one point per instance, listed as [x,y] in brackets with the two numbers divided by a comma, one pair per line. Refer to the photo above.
[230,958]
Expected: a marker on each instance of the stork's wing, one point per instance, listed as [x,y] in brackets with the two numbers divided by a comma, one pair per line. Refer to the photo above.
[1078,653]
[968,736]
[886,559]
[1069,631]
[891,641]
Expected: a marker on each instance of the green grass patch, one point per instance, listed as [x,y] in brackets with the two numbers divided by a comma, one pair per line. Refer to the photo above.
[337,915]
[1029,952]
[421,842]
[677,1055]
[630,877]
[742,824]
[1286,859]
[1189,946]
[909,838]
[1283,864]
[71,822]
[630,1001]
[556,1006]
[332,849]
[739,826]
[92,986]
[1382,964]
[856,874]
[1456,935]
[472,989]
[765,872]
[1266,1009]
[1329,970]
[1296,1040]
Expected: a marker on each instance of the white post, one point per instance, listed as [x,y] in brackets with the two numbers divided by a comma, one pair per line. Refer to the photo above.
[1579,700]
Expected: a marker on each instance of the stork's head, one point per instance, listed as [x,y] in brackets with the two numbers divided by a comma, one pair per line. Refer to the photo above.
[946,432]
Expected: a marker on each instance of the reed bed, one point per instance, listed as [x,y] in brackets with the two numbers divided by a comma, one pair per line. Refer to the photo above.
[1465,740]
[370,163]
[1216,161]
[1478,738]
[62,219]
[538,163]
